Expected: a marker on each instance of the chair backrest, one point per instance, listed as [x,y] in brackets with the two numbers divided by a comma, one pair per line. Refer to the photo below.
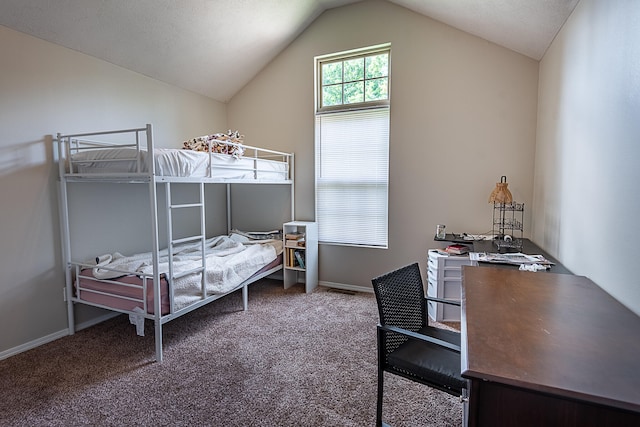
[400,296]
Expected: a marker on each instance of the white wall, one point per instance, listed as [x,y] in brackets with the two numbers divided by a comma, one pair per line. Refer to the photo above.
[586,198]
[45,89]
[463,113]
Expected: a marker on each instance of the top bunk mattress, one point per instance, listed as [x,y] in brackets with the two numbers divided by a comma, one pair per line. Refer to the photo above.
[179,163]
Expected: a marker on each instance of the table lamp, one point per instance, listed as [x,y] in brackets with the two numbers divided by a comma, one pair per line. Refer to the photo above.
[501,193]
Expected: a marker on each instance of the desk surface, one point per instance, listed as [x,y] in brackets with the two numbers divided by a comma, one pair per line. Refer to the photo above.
[528,247]
[552,333]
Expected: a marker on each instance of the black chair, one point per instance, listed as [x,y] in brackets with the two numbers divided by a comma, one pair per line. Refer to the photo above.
[407,345]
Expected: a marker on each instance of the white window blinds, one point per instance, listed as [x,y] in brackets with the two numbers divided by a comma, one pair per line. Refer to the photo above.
[352,174]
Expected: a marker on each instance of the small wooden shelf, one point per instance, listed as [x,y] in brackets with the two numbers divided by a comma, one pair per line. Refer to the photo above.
[294,272]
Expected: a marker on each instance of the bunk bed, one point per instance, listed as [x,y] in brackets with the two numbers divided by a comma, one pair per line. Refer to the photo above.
[188,272]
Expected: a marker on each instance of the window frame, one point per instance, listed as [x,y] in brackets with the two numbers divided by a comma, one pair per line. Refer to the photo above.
[347,55]
[346,108]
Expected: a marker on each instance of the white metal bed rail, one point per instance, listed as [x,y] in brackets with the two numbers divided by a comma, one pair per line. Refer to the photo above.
[143,287]
[69,145]
[72,144]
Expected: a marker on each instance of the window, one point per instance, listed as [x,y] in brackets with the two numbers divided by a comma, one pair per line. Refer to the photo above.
[352,147]
[355,81]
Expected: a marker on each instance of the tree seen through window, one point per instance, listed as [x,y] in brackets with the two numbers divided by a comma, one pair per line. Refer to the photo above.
[355,80]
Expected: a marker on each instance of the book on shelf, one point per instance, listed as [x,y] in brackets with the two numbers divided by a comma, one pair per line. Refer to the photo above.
[291,259]
[294,235]
[295,258]
[300,258]
[457,249]
[300,241]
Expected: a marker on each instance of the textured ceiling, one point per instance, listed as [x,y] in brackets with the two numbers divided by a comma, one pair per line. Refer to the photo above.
[214,47]
[525,26]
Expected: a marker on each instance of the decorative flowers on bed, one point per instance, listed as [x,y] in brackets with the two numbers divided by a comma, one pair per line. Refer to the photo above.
[224,143]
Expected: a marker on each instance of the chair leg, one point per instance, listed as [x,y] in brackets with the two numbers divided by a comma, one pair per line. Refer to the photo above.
[381,357]
[379,422]
[465,407]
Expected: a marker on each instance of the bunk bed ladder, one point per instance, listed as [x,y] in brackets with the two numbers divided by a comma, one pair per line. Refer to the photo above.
[198,238]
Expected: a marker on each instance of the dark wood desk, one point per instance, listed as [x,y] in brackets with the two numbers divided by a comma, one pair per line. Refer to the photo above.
[546,349]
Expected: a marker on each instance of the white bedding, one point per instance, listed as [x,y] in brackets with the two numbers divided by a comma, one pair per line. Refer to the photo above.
[180,163]
[228,263]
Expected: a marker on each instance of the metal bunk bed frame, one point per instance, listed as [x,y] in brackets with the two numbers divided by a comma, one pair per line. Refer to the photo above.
[74,143]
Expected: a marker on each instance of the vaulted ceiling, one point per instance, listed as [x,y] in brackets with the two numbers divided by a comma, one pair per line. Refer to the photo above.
[214,47]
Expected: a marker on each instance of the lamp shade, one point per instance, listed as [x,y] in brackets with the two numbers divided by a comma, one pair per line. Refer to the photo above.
[501,193]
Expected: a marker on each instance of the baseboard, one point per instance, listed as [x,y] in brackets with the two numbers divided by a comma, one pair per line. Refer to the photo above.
[54,336]
[33,344]
[346,287]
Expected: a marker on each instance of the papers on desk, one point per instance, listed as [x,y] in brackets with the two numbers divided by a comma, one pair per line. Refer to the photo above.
[474,237]
[512,258]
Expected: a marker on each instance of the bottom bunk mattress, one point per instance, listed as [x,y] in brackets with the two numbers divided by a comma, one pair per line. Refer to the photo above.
[229,262]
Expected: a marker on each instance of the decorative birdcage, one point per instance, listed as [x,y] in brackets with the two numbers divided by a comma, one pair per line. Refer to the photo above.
[508,217]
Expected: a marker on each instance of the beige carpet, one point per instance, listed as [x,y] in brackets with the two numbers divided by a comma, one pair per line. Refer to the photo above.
[291,360]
